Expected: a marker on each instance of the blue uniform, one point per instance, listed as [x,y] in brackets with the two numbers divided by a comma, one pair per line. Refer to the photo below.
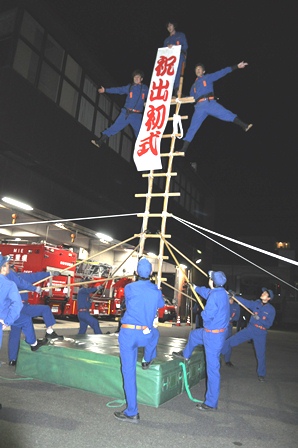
[24,281]
[178,39]
[234,317]
[84,303]
[142,299]
[23,322]
[132,112]
[203,87]
[255,330]
[10,303]
[216,316]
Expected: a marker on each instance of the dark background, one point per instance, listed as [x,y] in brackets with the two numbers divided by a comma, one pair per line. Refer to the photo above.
[253,175]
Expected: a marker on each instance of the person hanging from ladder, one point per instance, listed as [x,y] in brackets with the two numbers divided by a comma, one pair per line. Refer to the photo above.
[132,112]
[206,103]
[176,38]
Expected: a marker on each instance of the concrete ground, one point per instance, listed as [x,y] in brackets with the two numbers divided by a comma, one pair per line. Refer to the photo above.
[250,414]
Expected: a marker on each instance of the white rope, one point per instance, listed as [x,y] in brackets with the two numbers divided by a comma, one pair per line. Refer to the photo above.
[66,220]
[240,256]
[287,260]
[177,124]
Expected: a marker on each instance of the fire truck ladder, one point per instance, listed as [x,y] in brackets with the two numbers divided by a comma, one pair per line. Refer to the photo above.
[162,236]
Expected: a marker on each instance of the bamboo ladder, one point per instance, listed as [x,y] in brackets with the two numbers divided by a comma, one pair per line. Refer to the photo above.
[167,193]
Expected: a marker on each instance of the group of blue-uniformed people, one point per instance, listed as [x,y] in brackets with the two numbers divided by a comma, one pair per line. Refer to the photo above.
[142,300]
[217,337]
[202,91]
[11,283]
[142,297]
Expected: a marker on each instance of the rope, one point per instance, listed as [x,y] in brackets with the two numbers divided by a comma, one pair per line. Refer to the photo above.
[177,123]
[238,255]
[182,364]
[182,272]
[83,261]
[15,379]
[117,269]
[71,285]
[66,220]
[287,260]
[118,403]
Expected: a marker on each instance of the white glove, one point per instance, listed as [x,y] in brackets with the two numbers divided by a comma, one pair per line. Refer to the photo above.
[194,286]
[155,322]
[38,289]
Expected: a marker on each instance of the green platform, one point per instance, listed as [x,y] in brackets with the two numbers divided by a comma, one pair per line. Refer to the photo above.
[92,363]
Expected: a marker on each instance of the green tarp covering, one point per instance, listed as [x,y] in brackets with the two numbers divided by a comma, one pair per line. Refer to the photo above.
[92,363]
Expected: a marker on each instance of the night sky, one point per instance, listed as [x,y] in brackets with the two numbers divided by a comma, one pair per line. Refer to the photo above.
[252,175]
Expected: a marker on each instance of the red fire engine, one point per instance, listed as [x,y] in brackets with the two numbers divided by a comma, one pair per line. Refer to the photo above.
[108,303]
[61,298]
[30,258]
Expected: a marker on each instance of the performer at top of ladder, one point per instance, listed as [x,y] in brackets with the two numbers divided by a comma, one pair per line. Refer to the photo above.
[176,38]
[206,103]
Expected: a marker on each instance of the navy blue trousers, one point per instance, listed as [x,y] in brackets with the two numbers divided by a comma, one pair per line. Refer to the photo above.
[124,119]
[213,343]
[30,311]
[202,110]
[130,341]
[259,338]
[86,319]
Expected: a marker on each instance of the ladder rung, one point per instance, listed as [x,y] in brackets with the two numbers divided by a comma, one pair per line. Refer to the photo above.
[154,215]
[171,135]
[183,117]
[187,99]
[162,279]
[153,235]
[159,174]
[156,195]
[176,153]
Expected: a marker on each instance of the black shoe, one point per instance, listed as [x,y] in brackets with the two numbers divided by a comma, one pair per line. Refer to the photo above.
[229,364]
[179,355]
[53,335]
[248,127]
[125,418]
[40,343]
[262,379]
[146,365]
[12,363]
[108,332]
[100,141]
[205,407]
[182,146]
[96,143]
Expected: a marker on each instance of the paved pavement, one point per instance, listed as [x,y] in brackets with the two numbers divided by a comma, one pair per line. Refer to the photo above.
[250,414]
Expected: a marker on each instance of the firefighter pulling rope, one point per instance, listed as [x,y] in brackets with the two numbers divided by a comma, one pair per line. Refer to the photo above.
[230,293]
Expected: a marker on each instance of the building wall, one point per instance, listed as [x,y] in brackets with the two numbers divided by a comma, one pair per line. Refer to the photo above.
[45,145]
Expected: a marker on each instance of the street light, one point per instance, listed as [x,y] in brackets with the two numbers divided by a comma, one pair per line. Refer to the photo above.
[16,203]
[104,238]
